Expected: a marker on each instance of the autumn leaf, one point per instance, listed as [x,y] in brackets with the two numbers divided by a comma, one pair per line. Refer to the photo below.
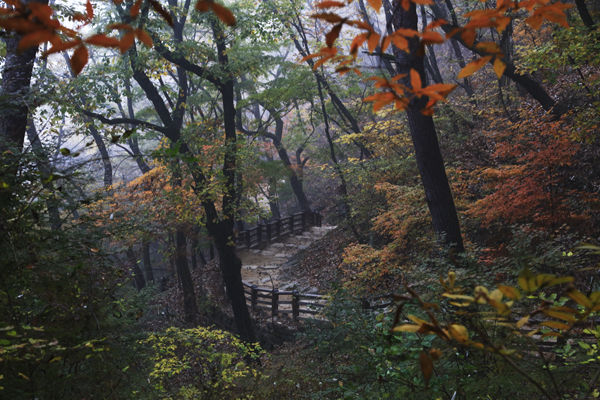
[499,67]
[126,42]
[329,4]
[329,17]
[135,9]
[224,14]
[161,11]
[415,79]
[143,37]
[373,41]
[35,38]
[473,66]
[426,366]
[89,10]
[103,40]
[79,59]
[61,46]
[376,4]
[333,34]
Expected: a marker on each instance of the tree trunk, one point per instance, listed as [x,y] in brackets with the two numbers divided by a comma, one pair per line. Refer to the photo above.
[424,137]
[585,14]
[231,269]
[138,276]
[190,308]
[146,261]
[16,79]
[43,166]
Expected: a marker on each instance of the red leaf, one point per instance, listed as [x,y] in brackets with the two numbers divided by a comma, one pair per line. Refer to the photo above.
[329,4]
[163,13]
[333,34]
[135,9]
[79,59]
[126,42]
[143,37]
[103,41]
[89,10]
[35,38]
[61,46]
[224,14]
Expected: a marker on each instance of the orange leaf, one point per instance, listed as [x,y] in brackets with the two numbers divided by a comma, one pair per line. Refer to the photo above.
[329,4]
[373,41]
[35,38]
[126,42]
[499,67]
[415,79]
[329,17]
[79,59]
[135,9]
[376,4]
[61,46]
[432,37]
[143,37]
[89,10]
[426,366]
[224,14]
[103,40]
[333,34]
[357,42]
[163,13]
[473,66]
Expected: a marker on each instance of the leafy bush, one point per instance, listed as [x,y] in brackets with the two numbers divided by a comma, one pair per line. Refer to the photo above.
[200,363]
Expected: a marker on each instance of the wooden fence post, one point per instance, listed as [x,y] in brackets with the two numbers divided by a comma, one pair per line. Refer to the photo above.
[295,305]
[275,302]
[253,297]
[269,233]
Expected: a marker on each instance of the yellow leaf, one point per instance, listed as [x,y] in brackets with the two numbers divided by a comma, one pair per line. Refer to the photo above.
[560,315]
[458,333]
[458,297]
[407,328]
[527,280]
[579,298]
[510,292]
[522,321]
[556,325]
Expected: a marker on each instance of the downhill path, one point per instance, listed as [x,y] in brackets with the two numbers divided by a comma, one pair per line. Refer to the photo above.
[263,267]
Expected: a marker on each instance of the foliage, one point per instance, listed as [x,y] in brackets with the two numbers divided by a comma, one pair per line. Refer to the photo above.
[528,182]
[538,332]
[200,362]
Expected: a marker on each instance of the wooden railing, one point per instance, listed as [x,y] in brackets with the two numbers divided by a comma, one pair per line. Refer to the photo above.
[300,305]
[275,301]
[271,231]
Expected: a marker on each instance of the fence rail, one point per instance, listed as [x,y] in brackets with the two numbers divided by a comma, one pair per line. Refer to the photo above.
[265,233]
[299,305]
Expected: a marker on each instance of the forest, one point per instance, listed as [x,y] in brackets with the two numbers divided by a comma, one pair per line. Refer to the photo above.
[287,199]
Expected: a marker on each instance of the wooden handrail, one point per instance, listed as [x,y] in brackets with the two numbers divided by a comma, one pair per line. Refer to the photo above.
[294,224]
